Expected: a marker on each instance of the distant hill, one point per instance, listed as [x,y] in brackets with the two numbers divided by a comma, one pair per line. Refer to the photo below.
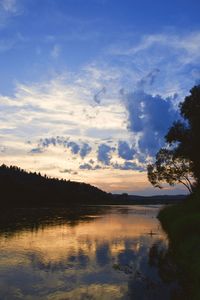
[21,188]
[135,199]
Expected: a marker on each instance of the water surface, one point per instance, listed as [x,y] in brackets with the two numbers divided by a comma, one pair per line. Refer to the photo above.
[102,253]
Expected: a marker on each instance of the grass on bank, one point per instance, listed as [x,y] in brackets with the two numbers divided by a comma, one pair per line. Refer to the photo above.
[182,224]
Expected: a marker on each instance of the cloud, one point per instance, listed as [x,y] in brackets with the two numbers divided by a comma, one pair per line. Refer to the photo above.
[85,150]
[89,167]
[55,141]
[148,80]
[75,148]
[82,148]
[125,151]
[172,54]
[186,44]
[62,112]
[150,117]
[127,165]
[104,154]
[2,149]
[69,171]
[50,110]
[46,142]
[97,96]
[37,150]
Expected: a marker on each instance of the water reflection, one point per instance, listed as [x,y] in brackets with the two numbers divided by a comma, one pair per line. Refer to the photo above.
[104,254]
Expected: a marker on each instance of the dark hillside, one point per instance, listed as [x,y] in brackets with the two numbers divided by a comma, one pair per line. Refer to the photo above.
[19,187]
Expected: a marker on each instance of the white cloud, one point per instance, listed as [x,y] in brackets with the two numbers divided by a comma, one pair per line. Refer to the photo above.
[189,42]
[88,107]
[61,107]
[176,55]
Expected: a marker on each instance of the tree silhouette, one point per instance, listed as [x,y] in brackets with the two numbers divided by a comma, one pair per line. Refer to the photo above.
[183,162]
[186,135]
[170,169]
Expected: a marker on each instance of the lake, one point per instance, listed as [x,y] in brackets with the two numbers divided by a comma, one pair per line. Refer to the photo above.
[104,253]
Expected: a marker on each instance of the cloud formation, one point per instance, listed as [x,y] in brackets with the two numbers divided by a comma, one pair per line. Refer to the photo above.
[127,165]
[104,154]
[97,96]
[125,151]
[100,127]
[148,80]
[69,171]
[75,148]
[37,150]
[89,167]
[83,148]
[150,117]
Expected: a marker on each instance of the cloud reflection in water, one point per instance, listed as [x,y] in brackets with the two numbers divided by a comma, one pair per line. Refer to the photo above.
[104,258]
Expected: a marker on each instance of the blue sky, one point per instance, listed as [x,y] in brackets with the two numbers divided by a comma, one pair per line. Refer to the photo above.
[89,88]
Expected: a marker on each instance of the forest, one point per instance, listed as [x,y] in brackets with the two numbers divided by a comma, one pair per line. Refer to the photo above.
[22,188]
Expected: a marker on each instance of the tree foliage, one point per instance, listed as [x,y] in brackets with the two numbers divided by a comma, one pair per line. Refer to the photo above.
[170,169]
[21,188]
[183,162]
[187,134]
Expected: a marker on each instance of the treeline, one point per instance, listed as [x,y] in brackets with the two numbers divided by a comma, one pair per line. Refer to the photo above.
[21,188]
[125,199]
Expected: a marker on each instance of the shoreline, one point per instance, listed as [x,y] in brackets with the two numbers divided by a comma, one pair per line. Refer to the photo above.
[181,222]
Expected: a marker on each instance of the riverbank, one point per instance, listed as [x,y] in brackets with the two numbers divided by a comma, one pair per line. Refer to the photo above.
[182,224]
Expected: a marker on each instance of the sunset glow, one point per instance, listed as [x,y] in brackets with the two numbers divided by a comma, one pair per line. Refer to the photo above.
[88,91]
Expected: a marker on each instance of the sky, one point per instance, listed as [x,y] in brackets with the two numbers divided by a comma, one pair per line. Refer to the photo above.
[89,88]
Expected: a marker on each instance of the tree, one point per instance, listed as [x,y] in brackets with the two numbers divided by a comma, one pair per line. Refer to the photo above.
[185,135]
[181,164]
[170,169]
